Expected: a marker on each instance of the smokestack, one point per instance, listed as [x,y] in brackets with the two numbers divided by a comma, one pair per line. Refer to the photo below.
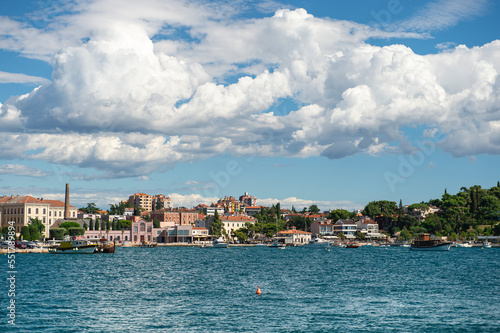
[66,203]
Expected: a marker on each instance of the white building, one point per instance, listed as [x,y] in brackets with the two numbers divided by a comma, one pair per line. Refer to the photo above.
[346,227]
[294,236]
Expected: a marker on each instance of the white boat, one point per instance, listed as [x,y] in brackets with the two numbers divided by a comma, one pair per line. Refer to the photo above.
[318,242]
[220,243]
[463,245]
[73,247]
[487,244]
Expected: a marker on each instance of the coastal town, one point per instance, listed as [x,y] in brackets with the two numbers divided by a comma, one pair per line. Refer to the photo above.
[154,219]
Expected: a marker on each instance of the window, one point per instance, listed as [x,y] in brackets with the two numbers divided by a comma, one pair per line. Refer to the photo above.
[36,210]
[135,238]
[143,227]
[135,229]
[126,238]
[50,213]
[149,228]
[44,211]
[59,213]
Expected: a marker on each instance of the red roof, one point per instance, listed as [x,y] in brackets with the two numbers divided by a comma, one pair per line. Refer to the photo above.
[294,231]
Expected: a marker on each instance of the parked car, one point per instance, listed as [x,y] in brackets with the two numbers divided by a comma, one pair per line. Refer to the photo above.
[20,245]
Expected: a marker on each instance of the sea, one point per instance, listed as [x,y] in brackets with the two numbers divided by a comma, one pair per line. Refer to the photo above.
[191,289]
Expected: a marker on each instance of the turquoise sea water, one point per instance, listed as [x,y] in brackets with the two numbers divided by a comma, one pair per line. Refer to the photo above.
[368,289]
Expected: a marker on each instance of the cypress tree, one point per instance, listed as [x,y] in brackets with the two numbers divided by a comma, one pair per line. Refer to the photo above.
[91,224]
[474,201]
[498,183]
[96,225]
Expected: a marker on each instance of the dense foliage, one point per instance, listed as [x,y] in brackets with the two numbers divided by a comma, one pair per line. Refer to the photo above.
[465,215]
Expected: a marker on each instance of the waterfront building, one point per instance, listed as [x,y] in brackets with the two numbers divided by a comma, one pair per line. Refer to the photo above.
[172,217]
[20,209]
[182,234]
[139,232]
[369,227]
[235,222]
[347,227]
[293,237]
[323,227]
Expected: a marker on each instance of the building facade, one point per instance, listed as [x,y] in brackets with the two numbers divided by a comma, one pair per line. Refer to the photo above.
[293,237]
[142,201]
[346,227]
[20,209]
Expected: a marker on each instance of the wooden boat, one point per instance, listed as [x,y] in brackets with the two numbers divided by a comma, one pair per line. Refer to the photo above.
[105,246]
[425,243]
[77,246]
[352,246]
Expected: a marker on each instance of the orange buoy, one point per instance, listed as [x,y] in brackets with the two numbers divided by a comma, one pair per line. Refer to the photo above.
[258,291]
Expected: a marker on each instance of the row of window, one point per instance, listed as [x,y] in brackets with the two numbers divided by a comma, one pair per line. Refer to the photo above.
[36,210]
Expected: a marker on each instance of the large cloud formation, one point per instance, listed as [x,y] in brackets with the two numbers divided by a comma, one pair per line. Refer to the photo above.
[128,102]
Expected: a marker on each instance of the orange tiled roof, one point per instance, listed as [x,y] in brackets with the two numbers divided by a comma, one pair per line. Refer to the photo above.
[294,231]
[237,218]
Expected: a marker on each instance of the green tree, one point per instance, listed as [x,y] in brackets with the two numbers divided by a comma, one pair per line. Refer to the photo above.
[76,231]
[125,224]
[241,234]
[37,229]
[90,209]
[25,233]
[360,235]
[313,209]
[91,224]
[96,224]
[156,223]
[376,208]
[103,225]
[340,214]
[69,224]
[217,226]
[293,209]
[57,233]
[108,225]
[137,212]
[341,235]
[158,205]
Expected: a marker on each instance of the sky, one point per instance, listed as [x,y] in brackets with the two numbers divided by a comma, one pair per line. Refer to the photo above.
[331,103]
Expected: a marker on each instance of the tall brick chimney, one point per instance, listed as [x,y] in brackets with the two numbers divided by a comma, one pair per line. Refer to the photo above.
[66,203]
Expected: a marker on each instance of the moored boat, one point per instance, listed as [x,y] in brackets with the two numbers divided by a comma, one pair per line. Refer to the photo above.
[318,242]
[425,243]
[78,246]
[220,243]
[487,244]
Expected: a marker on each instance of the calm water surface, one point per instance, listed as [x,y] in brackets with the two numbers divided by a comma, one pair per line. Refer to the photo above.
[368,289]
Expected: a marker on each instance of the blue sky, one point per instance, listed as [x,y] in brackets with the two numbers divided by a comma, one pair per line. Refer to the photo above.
[301,102]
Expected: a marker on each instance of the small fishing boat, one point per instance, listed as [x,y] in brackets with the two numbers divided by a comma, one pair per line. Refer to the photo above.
[352,246]
[487,244]
[425,243]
